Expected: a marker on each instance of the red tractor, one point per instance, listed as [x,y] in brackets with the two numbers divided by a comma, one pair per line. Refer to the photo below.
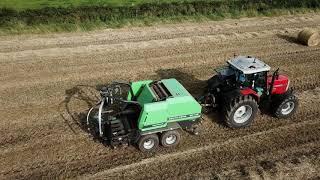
[245,85]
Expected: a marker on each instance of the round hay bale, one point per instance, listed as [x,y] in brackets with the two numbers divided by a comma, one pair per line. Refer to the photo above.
[309,37]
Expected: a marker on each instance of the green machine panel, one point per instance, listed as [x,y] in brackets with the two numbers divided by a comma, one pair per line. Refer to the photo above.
[179,105]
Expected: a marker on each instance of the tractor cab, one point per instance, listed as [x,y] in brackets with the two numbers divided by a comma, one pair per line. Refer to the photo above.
[252,73]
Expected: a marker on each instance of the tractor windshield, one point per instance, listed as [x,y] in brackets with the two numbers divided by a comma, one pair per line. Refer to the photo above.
[256,81]
[240,77]
[245,80]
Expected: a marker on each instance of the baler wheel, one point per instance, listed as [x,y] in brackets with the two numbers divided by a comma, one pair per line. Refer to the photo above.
[241,111]
[148,143]
[170,138]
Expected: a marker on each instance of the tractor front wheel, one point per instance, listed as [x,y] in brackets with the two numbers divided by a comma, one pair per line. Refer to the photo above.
[170,138]
[241,111]
[286,107]
[148,143]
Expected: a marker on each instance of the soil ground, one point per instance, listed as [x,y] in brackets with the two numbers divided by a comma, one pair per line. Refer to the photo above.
[49,81]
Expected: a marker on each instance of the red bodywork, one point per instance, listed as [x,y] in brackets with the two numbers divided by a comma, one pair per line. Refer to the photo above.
[281,84]
[249,91]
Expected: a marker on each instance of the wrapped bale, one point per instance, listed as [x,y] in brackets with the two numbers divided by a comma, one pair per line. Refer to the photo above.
[309,37]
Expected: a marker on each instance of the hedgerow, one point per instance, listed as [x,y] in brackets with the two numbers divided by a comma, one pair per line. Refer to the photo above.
[109,14]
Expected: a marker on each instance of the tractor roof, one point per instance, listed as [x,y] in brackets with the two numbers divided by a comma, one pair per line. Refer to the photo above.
[249,65]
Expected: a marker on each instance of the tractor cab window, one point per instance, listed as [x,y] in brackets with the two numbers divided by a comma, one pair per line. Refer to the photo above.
[250,80]
[260,82]
[243,79]
[260,79]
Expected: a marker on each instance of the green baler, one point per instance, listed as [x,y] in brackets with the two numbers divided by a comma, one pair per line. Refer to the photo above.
[145,113]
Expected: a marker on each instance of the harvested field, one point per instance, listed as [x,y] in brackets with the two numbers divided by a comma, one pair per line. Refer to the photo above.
[49,81]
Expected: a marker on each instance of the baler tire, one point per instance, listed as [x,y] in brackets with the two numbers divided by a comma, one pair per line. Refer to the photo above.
[175,134]
[153,138]
[240,102]
[288,100]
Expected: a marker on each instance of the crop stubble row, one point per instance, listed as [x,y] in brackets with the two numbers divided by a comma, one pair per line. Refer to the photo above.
[41,139]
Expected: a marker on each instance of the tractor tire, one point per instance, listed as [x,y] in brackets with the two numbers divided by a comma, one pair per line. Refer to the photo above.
[170,138]
[286,106]
[148,143]
[241,111]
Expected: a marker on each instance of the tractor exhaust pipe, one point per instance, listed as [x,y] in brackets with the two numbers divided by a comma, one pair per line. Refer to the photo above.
[275,74]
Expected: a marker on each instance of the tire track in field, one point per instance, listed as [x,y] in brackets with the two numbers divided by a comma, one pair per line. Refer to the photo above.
[36,92]
[295,162]
[170,61]
[201,150]
[98,158]
[126,46]
[303,86]
[166,32]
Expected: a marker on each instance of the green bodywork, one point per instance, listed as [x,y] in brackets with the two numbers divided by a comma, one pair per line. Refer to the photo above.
[180,106]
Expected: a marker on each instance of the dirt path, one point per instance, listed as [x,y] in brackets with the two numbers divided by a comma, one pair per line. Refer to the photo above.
[47,81]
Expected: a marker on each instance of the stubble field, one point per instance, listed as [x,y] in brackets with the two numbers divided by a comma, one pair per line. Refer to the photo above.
[49,81]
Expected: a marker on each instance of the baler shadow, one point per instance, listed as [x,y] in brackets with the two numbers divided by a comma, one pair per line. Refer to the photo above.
[217,117]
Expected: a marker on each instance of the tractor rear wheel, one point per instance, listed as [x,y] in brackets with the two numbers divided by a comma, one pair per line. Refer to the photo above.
[148,143]
[286,107]
[240,112]
[170,138]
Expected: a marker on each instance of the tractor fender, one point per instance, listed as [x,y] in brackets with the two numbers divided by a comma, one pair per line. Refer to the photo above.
[250,92]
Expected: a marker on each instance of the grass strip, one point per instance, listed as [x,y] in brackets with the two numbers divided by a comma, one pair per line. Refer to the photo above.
[84,18]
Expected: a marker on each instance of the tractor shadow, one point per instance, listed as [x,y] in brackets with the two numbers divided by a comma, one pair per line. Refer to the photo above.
[79,97]
[195,86]
[191,83]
